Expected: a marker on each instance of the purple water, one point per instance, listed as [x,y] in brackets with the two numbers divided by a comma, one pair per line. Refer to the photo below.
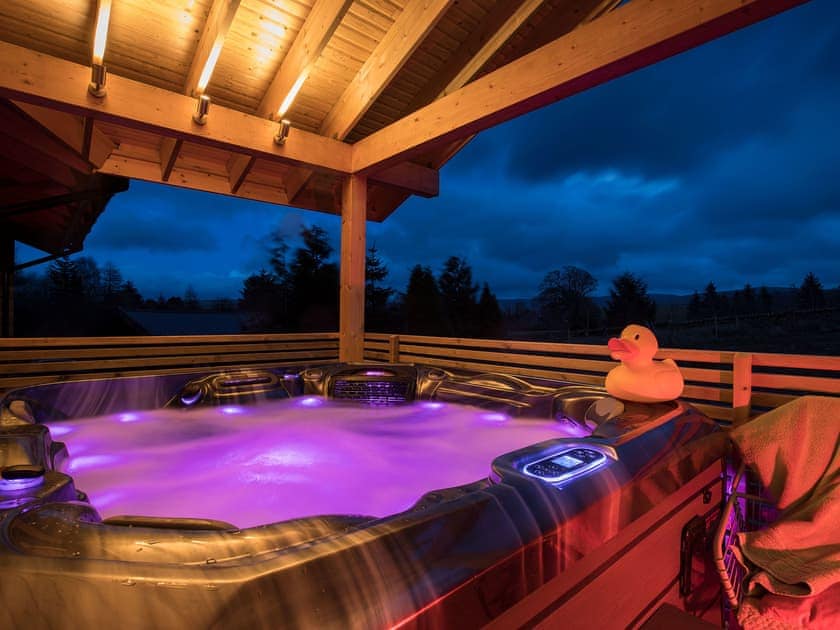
[253,465]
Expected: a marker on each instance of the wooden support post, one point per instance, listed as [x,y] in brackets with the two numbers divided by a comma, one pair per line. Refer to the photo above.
[351,330]
[394,348]
[7,281]
[741,387]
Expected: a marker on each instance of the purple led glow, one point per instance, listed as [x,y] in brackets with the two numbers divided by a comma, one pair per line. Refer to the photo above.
[90,461]
[11,485]
[377,373]
[282,460]
[232,411]
[128,417]
[59,429]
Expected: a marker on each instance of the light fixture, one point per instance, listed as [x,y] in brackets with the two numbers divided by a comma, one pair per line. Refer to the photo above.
[282,132]
[202,106]
[97,72]
[97,80]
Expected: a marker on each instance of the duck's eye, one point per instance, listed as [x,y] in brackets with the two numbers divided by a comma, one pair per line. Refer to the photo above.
[636,337]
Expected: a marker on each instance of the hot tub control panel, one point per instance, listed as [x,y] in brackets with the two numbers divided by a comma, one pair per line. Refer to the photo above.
[566,464]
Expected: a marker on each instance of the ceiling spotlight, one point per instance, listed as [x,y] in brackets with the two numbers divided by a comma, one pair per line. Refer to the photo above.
[282,132]
[97,80]
[202,106]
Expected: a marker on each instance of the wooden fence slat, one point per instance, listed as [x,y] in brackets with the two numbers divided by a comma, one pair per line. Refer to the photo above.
[160,351]
[796,383]
[93,366]
[58,342]
[800,361]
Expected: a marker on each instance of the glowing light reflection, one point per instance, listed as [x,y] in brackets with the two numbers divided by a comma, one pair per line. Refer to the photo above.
[432,405]
[232,411]
[495,417]
[311,401]
[57,430]
[90,461]
[128,417]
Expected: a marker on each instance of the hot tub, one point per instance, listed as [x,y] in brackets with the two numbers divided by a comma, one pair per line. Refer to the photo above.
[339,496]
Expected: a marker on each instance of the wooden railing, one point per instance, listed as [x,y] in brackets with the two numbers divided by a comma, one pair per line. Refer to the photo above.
[30,361]
[729,386]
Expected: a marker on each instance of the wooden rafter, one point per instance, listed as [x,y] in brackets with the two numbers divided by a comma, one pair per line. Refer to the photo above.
[402,39]
[219,18]
[77,132]
[36,78]
[320,24]
[631,37]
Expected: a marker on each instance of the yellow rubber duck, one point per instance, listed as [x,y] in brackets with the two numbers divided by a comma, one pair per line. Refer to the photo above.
[639,378]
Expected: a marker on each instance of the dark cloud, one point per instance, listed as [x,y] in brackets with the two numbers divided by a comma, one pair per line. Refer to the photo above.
[671,117]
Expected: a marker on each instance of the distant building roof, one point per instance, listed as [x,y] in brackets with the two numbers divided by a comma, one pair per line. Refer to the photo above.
[186,323]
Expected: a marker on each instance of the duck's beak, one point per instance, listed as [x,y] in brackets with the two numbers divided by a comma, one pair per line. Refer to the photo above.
[621,349]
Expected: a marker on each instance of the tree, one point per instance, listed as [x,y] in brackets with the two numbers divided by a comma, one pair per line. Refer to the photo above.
[191,299]
[564,298]
[490,320]
[695,307]
[376,295]
[766,299]
[111,281]
[810,295]
[65,286]
[423,307]
[130,297]
[313,283]
[711,301]
[91,278]
[458,294]
[629,302]
[259,300]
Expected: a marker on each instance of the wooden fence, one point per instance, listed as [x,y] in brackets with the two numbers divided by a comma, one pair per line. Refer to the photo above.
[30,361]
[725,385]
[728,386]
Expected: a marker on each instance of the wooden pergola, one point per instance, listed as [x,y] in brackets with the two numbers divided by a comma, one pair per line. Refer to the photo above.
[378,96]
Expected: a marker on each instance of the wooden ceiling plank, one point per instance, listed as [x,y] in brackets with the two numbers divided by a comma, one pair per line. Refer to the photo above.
[169,150]
[320,24]
[219,18]
[36,78]
[633,36]
[415,22]
[418,18]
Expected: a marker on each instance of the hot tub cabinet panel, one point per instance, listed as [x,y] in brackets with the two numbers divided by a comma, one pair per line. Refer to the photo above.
[600,550]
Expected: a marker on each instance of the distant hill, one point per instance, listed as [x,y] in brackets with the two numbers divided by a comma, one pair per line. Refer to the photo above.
[785,295]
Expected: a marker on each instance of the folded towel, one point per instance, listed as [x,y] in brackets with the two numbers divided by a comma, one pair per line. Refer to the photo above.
[795,452]
[776,612]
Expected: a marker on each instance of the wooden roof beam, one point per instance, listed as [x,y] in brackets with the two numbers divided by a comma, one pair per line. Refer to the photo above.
[32,77]
[77,132]
[219,18]
[183,178]
[633,36]
[417,19]
[320,24]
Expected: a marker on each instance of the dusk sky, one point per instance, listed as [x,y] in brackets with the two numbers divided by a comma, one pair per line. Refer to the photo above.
[721,164]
